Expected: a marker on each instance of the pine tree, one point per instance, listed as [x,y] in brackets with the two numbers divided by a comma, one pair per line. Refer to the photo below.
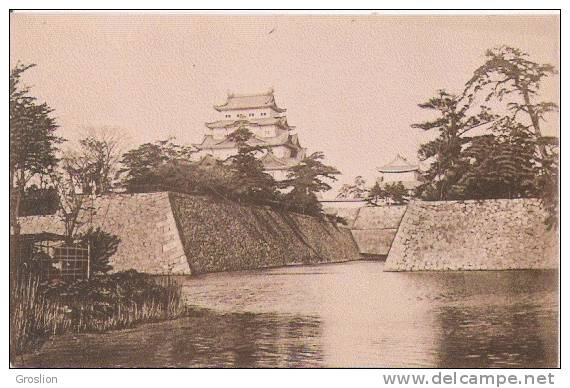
[248,180]
[444,152]
[509,76]
[305,180]
[508,72]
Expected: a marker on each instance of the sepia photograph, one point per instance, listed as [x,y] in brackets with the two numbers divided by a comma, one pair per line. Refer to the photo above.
[244,189]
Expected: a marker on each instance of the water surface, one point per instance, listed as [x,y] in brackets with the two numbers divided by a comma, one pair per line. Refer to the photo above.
[338,315]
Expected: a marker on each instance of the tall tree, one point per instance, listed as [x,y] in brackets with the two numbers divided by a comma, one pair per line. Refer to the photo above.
[73,205]
[444,152]
[305,180]
[509,76]
[33,142]
[96,163]
[376,194]
[508,72]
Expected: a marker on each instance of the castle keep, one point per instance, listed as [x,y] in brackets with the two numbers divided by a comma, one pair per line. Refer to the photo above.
[268,123]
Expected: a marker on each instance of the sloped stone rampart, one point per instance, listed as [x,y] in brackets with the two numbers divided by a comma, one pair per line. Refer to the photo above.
[474,235]
[375,227]
[173,233]
[223,236]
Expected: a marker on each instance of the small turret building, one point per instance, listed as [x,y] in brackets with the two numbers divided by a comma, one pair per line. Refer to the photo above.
[400,170]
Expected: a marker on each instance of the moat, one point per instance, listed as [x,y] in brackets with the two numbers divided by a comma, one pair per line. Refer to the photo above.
[338,315]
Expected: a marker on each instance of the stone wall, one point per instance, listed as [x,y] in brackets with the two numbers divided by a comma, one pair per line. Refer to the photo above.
[374,228]
[144,223]
[473,235]
[181,234]
[221,235]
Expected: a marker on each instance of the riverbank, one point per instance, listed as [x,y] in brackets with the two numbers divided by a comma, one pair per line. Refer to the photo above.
[39,310]
[201,338]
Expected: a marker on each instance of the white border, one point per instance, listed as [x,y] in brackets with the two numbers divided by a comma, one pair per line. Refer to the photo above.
[261,378]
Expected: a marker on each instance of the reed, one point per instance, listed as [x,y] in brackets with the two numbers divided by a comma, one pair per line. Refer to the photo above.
[109,302]
[33,317]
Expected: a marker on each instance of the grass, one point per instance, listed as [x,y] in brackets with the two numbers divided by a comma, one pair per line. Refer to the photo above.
[39,310]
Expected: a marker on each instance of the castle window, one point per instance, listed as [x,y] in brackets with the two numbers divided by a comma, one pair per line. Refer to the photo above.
[263,113]
[228,116]
[251,114]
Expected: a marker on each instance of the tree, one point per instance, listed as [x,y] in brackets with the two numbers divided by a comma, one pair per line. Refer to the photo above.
[141,164]
[72,204]
[500,166]
[102,245]
[248,180]
[305,180]
[548,182]
[376,194]
[396,193]
[213,178]
[33,143]
[452,123]
[508,72]
[96,161]
[390,193]
[356,190]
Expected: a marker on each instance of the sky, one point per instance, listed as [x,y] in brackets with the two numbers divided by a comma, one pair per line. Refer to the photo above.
[350,83]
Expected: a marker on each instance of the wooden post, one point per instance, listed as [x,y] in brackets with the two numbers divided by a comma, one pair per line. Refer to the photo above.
[88,257]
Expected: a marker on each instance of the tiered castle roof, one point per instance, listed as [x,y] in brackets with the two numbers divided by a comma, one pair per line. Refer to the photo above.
[280,121]
[284,139]
[248,101]
[283,131]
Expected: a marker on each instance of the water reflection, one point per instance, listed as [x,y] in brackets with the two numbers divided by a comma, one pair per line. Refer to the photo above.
[206,339]
[340,315]
[520,335]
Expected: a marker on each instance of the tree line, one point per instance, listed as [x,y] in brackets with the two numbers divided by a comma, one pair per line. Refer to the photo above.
[44,179]
[488,142]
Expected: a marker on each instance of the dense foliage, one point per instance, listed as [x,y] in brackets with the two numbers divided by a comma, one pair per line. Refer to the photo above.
[445,151]
[509,157]
[380,193]
[140,166]
[305,180]
[248,180]
[38,201]
[241,177]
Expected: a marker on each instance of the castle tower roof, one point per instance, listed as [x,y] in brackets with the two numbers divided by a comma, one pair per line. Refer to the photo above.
[249,101]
